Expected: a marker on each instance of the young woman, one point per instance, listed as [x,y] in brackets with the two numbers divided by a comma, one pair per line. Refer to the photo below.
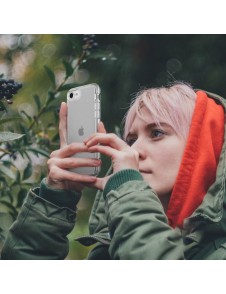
[164,197]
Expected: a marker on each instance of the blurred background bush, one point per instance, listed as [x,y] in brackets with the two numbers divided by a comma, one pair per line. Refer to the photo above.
[48,65]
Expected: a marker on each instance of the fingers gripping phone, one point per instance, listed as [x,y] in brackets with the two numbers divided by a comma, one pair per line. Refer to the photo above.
[82,120]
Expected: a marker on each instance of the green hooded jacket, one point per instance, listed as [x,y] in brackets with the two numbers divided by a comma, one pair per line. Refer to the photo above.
[127,222]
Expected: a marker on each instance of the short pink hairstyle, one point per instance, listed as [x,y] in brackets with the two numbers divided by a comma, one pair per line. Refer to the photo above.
[173,105]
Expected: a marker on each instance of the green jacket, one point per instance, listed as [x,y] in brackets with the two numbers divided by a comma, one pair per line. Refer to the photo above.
[127,222]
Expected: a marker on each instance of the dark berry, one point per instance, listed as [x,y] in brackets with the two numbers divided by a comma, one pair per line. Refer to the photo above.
[89,42]
[8,88]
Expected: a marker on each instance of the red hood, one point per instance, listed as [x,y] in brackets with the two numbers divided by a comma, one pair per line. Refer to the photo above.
[199,163]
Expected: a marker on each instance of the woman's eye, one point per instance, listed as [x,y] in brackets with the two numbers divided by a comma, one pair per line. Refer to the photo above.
[157,133]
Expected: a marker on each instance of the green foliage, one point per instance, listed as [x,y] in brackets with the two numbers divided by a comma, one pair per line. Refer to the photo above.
[9,136]
[28,137]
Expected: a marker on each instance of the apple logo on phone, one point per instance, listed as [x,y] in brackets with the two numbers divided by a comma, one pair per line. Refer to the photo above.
[81,131]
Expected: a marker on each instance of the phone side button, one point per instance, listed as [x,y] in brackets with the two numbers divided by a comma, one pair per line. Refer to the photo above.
[97,106]
[97,114]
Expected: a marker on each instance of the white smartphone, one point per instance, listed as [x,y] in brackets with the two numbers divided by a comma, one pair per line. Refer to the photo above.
[82,120]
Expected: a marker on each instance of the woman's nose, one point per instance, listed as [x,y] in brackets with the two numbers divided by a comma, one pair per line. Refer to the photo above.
[139,146]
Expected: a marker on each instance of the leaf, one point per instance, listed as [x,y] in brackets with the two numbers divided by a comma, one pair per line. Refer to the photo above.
[50,97]
[37,101]
[51,75]
[17,177]
[8,172]
[68,67]
[21,152]
[27,171]
[10,207]
[21,196]
[67,87]
[27,155]
[5,120]
[8,163]
[27,116]
[38,151]
[25,130]
[9,136]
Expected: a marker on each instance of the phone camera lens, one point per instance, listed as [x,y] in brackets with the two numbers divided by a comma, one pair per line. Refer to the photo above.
[71,95]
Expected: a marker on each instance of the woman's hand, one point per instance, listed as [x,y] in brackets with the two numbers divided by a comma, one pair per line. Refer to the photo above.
[60,161]
[122,155]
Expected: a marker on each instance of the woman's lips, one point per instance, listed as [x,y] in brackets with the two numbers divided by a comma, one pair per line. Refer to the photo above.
[145,172]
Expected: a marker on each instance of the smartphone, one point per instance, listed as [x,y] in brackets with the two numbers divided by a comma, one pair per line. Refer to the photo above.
[82,120]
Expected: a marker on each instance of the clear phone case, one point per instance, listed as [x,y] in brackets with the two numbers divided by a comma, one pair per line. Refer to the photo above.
[82,120]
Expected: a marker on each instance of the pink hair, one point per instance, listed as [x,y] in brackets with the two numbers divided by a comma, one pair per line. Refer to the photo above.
[173,105]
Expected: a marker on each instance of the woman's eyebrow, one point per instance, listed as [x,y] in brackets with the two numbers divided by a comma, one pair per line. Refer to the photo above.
[149,126]
[155,125]
[133,132]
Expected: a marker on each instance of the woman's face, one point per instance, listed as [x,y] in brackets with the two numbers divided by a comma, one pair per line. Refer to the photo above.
[160,153]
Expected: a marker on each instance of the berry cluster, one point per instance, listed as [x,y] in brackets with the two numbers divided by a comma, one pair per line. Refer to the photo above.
[8,88]
[89,42]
